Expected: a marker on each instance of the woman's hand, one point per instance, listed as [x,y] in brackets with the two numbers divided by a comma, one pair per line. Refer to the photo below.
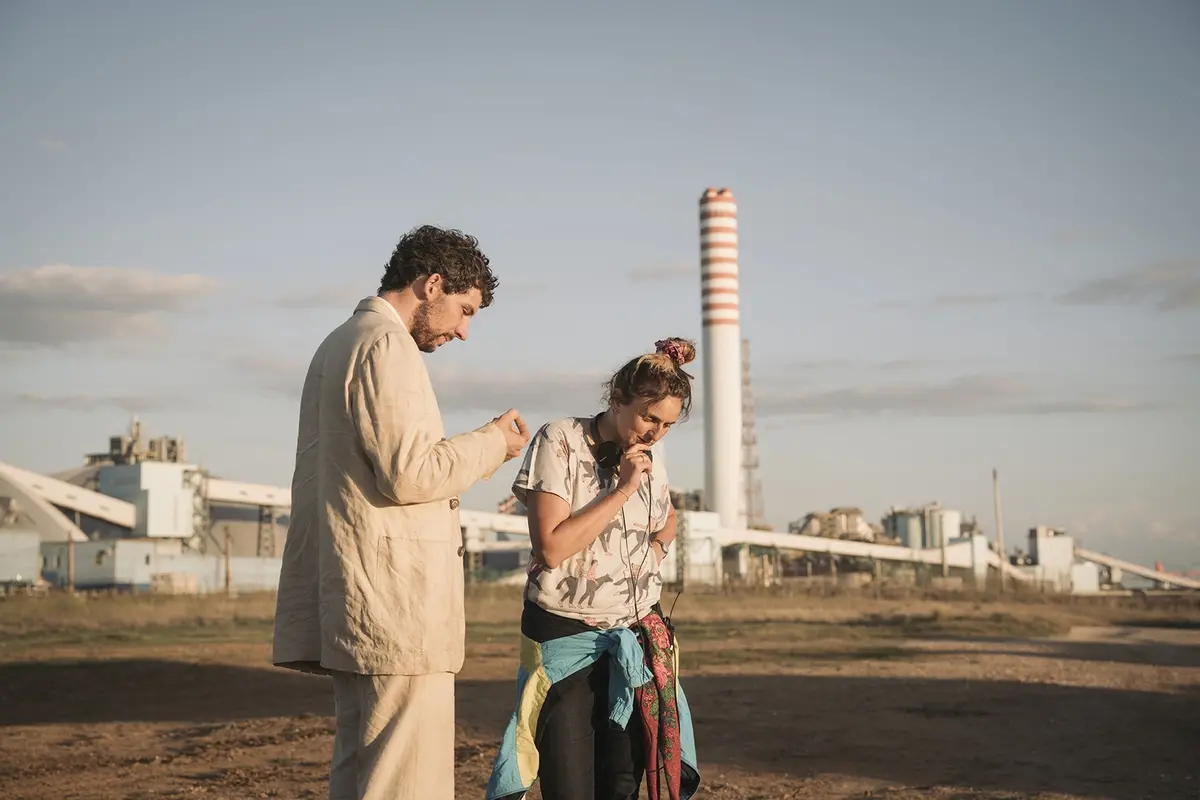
[635,462]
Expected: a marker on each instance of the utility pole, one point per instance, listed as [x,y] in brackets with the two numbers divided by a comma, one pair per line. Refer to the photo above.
[70,586]
[228,565]
[999,526]
[71,557]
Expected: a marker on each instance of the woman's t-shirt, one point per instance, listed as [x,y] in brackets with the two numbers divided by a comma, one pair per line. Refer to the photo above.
[615,579]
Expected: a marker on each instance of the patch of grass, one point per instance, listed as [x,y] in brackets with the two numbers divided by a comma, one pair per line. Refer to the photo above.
[741,618]
[875,626]
[878,653]
[144,635]
[58,612]
[998,624]
[752,631]
[493,633]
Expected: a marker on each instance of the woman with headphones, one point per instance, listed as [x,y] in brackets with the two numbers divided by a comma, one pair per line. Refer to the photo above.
[600,705]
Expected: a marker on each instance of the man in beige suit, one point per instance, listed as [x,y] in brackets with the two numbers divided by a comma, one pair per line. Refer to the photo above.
[371,590]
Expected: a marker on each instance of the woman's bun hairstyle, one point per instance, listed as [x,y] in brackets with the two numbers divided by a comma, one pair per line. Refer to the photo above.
[655,376]
[680,351]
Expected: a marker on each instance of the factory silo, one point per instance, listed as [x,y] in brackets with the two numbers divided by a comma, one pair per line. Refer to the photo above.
[947,524]
[910,529]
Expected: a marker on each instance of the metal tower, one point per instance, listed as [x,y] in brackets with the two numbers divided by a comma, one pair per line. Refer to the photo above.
[753,513]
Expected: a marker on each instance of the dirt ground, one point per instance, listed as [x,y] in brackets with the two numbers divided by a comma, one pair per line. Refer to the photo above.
[785,706]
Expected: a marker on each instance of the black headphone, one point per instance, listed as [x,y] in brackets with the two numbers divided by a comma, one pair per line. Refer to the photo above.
[608,454]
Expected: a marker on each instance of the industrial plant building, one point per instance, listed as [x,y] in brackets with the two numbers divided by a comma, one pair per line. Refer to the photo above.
[140,517]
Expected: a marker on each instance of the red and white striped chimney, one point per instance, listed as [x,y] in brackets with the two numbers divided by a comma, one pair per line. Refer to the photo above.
[722,343]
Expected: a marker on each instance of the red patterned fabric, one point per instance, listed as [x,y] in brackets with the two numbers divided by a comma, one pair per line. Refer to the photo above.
[657,702]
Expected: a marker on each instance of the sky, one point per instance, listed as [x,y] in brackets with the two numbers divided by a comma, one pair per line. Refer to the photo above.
[970,232]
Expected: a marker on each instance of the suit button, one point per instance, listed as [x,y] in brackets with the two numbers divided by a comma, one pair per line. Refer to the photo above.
[462,548]
[453,502]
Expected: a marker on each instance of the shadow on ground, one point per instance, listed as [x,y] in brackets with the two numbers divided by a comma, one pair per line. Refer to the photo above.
[997,735]
[1160,655]
[994,735]
[149,690]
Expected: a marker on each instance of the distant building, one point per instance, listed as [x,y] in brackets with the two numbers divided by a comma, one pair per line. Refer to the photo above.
[843,522]
[129,449]
[924,527]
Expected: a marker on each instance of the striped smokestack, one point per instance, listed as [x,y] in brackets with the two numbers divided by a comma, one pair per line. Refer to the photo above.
[722,356]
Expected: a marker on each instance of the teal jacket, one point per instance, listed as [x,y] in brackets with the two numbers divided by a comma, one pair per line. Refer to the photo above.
[544,664]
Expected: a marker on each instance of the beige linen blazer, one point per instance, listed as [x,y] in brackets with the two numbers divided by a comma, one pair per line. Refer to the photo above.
[372,577]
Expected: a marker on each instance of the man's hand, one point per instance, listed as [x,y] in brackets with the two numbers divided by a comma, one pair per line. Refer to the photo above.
[516,435]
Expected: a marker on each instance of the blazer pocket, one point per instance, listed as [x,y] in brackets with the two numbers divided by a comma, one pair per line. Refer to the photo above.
[423,533]
[412,578]
[428,523]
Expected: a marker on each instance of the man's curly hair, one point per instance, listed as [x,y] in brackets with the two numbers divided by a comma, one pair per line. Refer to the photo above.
[429,250]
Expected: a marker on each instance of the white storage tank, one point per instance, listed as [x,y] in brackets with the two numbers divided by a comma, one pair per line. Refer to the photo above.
[947,526]
[952,523]
[909,529]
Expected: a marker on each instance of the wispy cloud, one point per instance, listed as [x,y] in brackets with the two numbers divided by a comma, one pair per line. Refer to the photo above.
[960,300]
[818,364]
[457,391]
[830,364]
[51,145]
[58,304]
[970,395]
[1187,358]
[131,404]
[664,272]
[553,393]
[550,393]
[344,296]
[904,364]
[948,301]
[1080,234]
[1167,286]
[271,374]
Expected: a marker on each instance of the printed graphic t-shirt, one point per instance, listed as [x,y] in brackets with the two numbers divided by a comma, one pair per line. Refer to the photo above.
[615,578]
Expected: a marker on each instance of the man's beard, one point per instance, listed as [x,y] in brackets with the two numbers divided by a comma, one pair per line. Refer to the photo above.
[422,330]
